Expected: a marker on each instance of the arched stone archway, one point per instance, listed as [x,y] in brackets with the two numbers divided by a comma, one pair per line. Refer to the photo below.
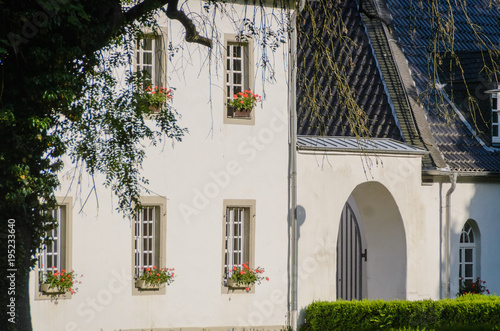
[384,237]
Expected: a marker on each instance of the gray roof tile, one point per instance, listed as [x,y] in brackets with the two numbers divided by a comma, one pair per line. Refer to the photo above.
[364,78]
[460,149]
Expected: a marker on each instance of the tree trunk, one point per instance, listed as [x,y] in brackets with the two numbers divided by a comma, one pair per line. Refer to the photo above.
[15,281]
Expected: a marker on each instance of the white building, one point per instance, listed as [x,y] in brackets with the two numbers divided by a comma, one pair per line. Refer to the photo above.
[372,214]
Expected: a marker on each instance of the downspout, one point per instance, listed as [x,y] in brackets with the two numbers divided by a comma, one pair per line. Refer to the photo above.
[292,175]
[453,180]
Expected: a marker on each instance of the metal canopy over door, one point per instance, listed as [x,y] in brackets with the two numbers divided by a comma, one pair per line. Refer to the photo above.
[351,257]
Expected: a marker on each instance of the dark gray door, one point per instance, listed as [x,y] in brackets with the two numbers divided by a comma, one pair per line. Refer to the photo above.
[350,257]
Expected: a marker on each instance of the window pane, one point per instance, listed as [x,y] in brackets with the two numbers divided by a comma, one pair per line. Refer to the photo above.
[147,58]
[148,44]
[495,130]
[460,255]
[494,103]
[468,270]
[237,78]
[468,255]
[237,65]
[228,64]
[237,51]
[494,117]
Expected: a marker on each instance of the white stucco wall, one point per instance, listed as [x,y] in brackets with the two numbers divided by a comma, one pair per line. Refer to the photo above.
[385,188]
[215,161]
[389,188]
[479,202]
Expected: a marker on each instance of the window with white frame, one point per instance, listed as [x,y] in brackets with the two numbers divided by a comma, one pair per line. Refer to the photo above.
[145,51]
[56,254]
[239,229]
[150,57]
[495,132]
[468,255]
[235,71]
[147,230]
[148,238]
[238,77]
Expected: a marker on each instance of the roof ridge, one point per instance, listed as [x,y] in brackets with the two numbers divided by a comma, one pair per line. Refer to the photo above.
[391,77]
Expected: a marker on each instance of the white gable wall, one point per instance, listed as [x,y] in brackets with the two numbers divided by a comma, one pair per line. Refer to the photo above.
[387,189]
[325,183]
[479,202]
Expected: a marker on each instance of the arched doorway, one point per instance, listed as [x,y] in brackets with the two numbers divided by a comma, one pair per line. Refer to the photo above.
[372,231]
[351,255]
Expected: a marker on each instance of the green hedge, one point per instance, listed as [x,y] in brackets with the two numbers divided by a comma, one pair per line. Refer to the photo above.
[469,312]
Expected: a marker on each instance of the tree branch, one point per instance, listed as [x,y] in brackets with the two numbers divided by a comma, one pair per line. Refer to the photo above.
[173,13]
[192,35]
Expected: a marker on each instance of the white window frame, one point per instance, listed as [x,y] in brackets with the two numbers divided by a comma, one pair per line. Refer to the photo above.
[141,55]
[495,120]
[469,240]
[60,248]
[247,75]
[158,55]
[238,226]
[156,207]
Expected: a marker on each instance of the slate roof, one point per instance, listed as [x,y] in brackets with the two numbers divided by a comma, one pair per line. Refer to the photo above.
[382,81]
[361,71]
[454,140]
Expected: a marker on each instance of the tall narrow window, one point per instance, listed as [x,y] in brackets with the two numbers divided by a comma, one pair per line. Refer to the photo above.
[235,72]
[238,78]
[237,228]
[147,229]
[146,58]
[149,240]
[468,252]
[495,132]
[238,234]
[56,254]
[51,257]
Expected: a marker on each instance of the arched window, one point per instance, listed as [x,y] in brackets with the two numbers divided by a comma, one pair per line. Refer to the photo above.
[468,255]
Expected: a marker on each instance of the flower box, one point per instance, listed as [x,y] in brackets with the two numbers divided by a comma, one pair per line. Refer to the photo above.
[143,285]
[154,278]
[55,282]
[244,113]
[155,109]
[233,285]
[46,289]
